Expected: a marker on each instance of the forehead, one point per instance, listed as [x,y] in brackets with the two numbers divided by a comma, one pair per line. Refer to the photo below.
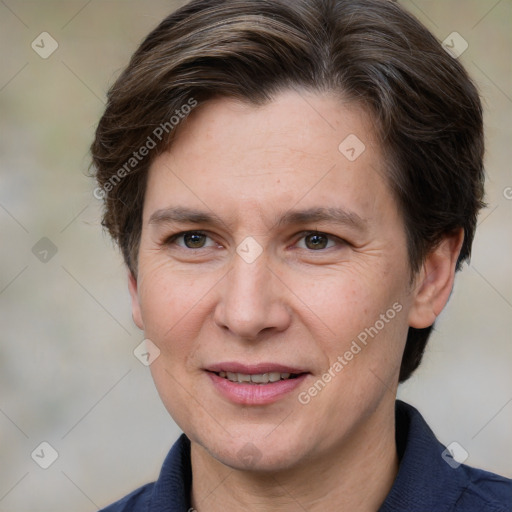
[300,147]
[299,122]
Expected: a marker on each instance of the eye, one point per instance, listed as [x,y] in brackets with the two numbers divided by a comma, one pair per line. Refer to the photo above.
[190,240]
[316,241]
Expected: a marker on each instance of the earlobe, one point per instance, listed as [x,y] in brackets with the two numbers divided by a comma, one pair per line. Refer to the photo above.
[136,311]
[434,282]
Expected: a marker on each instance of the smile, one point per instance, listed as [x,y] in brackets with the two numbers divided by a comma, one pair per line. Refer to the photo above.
[257,378]
[255,384]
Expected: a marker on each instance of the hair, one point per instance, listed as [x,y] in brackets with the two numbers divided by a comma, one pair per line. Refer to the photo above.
[373,53]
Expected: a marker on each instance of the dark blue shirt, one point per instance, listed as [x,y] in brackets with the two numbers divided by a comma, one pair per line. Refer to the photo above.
[428,479]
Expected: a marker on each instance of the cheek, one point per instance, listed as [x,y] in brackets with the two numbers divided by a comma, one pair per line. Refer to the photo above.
[348,298]
[366,313]
[171,305]
[174,309]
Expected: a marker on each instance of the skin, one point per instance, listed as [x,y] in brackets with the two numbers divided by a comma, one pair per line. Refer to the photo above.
[297,304]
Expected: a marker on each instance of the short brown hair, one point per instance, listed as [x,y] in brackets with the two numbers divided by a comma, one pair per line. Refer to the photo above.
[371,52]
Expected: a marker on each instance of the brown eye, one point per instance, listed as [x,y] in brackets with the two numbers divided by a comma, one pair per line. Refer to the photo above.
[190,240]
[316,241]
[194,240]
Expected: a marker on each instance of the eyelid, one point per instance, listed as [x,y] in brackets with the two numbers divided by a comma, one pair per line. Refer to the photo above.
[337,242]
[302,234]
[172,238]
[337,239]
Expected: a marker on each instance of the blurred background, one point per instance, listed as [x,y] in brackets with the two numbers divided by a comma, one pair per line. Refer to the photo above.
[68,375]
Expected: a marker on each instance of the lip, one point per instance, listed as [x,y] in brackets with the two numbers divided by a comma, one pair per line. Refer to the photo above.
[235,367]
[254,394]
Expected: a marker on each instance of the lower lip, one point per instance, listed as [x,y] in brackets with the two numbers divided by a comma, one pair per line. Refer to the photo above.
[255,394]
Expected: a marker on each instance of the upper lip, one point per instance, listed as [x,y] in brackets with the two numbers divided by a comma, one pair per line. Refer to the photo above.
[253,369]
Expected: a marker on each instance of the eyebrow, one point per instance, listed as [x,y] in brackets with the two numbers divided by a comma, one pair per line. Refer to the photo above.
[320,214]
[332,215]
[183,215]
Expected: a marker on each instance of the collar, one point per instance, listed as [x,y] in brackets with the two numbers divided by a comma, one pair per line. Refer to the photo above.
[422,475]
[425,480]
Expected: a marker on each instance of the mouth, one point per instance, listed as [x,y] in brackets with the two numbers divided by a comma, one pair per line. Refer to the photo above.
[257,378]
[255,384]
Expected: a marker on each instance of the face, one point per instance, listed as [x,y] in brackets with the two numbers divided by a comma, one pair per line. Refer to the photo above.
[272,250]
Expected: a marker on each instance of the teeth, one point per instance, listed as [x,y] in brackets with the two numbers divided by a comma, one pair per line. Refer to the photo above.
[274,376]
[259,378]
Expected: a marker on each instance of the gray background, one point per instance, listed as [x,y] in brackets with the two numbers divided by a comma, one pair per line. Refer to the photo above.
[68,375]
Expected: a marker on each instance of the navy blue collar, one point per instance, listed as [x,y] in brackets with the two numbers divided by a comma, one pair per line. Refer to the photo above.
[426,482]
[423,473]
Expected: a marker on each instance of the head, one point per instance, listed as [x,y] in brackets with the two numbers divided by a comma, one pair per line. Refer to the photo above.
[347,145]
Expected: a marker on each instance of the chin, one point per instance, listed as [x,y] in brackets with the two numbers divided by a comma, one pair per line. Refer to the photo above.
[249,457]
[256,453]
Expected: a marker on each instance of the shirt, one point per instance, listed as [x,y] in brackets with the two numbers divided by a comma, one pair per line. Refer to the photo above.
[428,479]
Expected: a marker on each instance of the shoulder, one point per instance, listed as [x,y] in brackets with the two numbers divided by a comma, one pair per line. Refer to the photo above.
[429,478]
[484,492]
[171,491]
[136,501]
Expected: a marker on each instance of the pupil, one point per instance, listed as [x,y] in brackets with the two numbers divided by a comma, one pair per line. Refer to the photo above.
[316,241]
[194,240]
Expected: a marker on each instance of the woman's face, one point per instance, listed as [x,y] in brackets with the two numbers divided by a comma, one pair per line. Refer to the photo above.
[281,314]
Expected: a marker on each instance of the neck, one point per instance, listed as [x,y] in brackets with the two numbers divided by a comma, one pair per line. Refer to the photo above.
[356,475]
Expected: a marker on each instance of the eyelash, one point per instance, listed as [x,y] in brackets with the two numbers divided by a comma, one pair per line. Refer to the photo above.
[172,239]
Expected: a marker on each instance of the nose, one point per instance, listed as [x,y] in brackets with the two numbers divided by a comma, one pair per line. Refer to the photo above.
[252,300]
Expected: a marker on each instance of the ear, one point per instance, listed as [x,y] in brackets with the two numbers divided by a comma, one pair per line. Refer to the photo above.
[434,281]
[136,312]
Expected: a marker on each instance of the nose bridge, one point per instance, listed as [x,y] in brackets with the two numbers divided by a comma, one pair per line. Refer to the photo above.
[250,300]
[249,285]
